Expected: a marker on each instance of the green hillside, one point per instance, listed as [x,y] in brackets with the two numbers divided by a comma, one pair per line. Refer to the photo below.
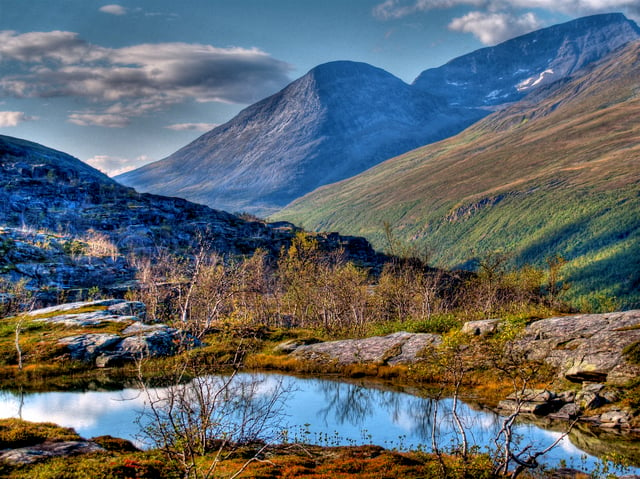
[558,173]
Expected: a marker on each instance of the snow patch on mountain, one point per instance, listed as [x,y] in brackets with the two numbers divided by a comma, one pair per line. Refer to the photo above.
[534,81]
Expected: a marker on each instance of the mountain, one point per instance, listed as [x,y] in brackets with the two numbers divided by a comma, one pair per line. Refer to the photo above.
[334,122]
[55,210]
[556,173]
[507,72]
[344,117]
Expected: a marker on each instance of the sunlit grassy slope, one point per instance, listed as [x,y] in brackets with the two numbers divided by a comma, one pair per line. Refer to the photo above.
[558,173]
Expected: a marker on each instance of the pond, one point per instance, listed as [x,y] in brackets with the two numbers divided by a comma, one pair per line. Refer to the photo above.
[325,412]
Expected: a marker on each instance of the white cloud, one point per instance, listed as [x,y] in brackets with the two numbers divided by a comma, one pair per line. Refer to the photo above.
[57,46]
[492,28]
[133,81]
[391,9]
[192,126]
[13,118]
[113,166]
[113,9]
[99,119]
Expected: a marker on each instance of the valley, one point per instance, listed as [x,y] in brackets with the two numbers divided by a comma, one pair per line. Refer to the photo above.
[554,174]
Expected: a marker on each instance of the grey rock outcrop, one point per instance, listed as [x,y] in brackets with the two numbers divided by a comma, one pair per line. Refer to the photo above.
[539,402]
[588,405]
[583,348]
[587,347]
[136,339]
[46,450]
[86,347]
[66,226]
[393,349]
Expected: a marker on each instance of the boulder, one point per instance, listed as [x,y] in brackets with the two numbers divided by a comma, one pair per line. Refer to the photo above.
[533,395]
[567,396]
[393,349]
[615,418]
[158,342]
[531,401]
[528,407]
[483,327]
[589,387]
[587,347]
[568,411]
[129,308]
[589,400]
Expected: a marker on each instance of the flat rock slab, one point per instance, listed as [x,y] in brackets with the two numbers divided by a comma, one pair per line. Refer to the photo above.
[137,339]
[92,318]
[61,308]
[586,347]
[41,452]
[393,349]
[111,310]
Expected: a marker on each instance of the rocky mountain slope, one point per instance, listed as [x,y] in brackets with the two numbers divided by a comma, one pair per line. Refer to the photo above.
[556,173]
[344,117]
[65,225]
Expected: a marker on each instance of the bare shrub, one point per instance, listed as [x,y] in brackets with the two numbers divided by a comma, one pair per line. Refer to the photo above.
[100,245]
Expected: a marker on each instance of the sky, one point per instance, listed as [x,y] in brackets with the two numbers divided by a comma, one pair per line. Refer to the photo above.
[118,85]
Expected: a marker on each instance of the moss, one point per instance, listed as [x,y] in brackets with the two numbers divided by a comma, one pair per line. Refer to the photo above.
[80,310]
[15,433]
[115,444]
[631,352]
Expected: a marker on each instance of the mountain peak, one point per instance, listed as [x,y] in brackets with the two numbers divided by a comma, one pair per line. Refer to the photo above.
[345,69]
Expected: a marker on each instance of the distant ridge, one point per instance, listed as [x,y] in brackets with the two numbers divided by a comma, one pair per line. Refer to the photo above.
[511,70]
[344,117]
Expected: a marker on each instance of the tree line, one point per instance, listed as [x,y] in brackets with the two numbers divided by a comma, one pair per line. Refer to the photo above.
[308,287]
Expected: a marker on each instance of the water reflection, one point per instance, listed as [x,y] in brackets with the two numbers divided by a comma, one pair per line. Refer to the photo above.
[317,410]
[410,417]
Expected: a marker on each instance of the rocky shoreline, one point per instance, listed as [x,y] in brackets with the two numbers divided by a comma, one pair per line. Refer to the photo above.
[587,350]
[589,353]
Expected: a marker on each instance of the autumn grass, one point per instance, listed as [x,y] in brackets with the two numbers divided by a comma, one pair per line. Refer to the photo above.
[120,459]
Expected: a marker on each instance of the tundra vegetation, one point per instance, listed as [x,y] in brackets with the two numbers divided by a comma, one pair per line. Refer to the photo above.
[239,309]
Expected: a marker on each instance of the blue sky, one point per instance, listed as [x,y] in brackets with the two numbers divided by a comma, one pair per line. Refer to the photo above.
[122,84]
